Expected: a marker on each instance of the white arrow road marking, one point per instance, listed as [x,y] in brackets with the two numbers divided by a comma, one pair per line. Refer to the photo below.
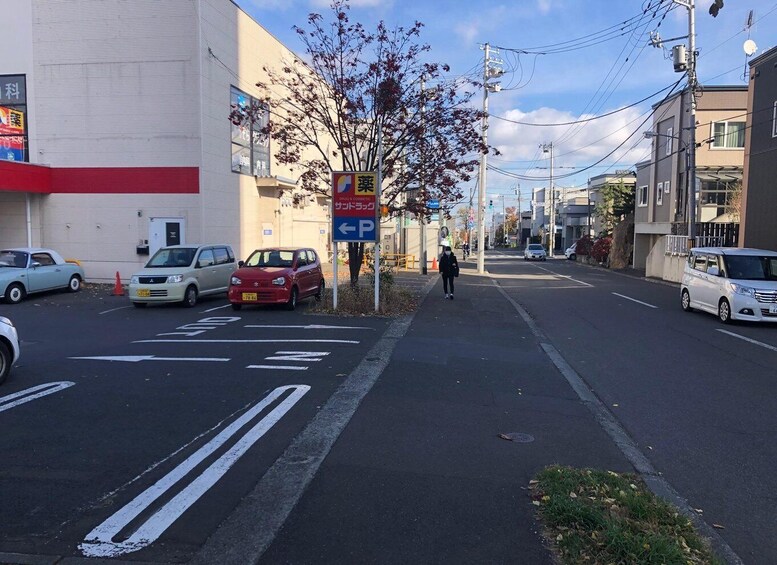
[279,367]
[137,358]
[245,341]
[313,327]
[635,300]
[298,356]
[17,398]
[747,339]
[99,542]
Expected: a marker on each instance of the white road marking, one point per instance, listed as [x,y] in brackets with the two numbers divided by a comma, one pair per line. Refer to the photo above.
[99,542]
[114,309]
[245,341]
[216,308]
[564,276]
[281,367]
[635,300]
[747,339]
[313,327]
[137,358]
[39,391]
[298,356]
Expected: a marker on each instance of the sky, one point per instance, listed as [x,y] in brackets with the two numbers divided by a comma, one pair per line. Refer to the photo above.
[563,60]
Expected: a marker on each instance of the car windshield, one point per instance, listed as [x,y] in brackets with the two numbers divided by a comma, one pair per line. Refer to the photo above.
[270,258]
[178,257]
[535,247]
[751,267]
[9,258]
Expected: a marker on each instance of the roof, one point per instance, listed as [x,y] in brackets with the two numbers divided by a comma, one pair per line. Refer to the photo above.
[763,57]
[747,251]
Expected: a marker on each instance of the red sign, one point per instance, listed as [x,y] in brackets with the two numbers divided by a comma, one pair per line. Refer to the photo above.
[354,194]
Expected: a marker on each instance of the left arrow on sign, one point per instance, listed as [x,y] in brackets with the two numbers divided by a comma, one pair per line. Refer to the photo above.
[137,358]
[345,229]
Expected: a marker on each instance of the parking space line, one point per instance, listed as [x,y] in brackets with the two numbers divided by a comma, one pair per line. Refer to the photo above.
[245,341]
[298,356]
[749,340]
[280,367]
[27,395]
[216,308]
[99,542]
[137,358]
[114,309]
[311,327]
[634,300]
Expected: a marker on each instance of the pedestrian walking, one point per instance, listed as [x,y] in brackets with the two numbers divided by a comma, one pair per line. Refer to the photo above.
[449,269]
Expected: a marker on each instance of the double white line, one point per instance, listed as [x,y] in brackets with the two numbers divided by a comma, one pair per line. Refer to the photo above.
[100,541]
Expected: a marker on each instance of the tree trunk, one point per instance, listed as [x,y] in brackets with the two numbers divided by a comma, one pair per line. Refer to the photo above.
[355,258]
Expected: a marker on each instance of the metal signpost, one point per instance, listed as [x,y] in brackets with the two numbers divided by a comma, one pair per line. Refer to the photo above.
[354,213]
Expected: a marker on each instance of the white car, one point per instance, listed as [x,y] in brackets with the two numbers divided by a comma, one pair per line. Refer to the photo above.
[732,283]
[9,347]
[183,273]
[571,252]
[534,251]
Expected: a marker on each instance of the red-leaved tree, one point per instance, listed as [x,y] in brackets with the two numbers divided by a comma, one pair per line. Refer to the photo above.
[326,110]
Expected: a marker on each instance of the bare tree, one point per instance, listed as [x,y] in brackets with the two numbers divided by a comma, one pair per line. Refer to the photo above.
[326,112]
[734,202]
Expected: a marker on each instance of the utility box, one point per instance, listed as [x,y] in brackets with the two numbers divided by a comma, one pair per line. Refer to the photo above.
[679,58]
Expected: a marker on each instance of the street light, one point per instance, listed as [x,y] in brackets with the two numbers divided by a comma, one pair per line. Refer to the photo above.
[691,187]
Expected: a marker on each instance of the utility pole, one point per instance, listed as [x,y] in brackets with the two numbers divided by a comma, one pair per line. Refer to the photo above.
[519,234]
[548,148]
[421,217]
[692,132]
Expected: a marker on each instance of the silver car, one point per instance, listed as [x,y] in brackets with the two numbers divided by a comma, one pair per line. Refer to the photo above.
[534,251]
[9,347]
[183,273]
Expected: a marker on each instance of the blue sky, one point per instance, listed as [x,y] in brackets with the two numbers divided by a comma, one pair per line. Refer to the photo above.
[563,86]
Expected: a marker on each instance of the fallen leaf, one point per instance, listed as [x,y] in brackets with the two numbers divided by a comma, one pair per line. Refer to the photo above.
[535,502]
[505,436]
[632,485]
[533,482]
[572,495]
[559,537]
[718,526]
[650,448]
[615,405]
[699,510]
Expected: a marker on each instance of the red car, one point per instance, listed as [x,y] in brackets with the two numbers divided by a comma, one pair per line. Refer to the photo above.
[276,276]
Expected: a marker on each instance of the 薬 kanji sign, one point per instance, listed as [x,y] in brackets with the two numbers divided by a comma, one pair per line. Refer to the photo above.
[354,206]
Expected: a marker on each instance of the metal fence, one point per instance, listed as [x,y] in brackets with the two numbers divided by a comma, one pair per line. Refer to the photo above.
[708,234]
[676,245]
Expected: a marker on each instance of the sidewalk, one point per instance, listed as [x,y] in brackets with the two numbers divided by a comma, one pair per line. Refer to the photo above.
[420,474]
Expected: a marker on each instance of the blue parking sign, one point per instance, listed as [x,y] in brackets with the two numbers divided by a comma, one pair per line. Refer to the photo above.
[354,229]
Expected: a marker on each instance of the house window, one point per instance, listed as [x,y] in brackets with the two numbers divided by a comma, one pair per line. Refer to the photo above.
[666,187]
[728,135]
[774,120]
[659,194]
[642,196]
[669,141]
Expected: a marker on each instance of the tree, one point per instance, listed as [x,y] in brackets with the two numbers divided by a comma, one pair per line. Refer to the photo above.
[326,113]
[510,224]
[734,202]
[617,201]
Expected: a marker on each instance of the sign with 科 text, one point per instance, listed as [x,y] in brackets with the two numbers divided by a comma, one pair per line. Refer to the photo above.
[354,206]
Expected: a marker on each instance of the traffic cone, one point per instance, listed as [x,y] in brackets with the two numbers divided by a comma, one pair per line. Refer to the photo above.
[118,290]
[434,263]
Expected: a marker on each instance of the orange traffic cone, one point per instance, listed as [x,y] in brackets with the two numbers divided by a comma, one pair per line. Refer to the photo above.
[434,263]
[118,290]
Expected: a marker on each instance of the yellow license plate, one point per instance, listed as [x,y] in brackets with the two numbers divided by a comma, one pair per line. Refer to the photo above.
[249,296]
[144,292]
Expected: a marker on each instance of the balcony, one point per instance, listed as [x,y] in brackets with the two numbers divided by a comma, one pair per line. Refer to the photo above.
[708,234]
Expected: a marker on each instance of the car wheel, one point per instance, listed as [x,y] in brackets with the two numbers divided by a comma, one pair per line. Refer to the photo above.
[320,292]
[14,293]
[292,303]
[724,311]
[572,257]
[140,304]
[74,285]
[5,361]
[190,297]
[236,307]
[686,301]
[544,258]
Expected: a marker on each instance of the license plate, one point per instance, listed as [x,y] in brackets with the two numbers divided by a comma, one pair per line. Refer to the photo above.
[773,309]
[144,292]
[249,296]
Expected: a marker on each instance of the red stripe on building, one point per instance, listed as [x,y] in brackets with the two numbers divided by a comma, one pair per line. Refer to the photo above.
[23,177]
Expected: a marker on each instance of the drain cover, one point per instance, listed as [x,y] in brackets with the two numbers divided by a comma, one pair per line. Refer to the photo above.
[520,438]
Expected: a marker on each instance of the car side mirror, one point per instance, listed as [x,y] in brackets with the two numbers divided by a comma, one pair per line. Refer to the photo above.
[241,263]
[35,264]
[713,271]
[197,265]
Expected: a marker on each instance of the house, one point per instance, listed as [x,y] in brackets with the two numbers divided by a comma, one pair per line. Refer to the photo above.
[597,193]
[759,197]
[575,215]
[661,214]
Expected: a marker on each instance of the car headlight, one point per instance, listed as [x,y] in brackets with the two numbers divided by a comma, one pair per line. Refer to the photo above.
[175,278]
[280,281]
[134,279]
[235,281]
[743,290]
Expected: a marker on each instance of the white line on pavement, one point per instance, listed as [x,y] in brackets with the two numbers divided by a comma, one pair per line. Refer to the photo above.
[114,309]
[280,367]
[298,356]
[311,327]
[39,391]
[563,276]
[747,339]
[137,358]
[245,341]
[635,300]
[99,542]
[216,308]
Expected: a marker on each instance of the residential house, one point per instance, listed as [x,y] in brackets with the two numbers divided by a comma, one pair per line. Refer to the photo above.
[661,210]
[574,215]
[758,227]
[596,195]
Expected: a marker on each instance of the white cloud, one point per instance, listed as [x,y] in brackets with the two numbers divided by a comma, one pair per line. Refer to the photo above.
[543,6]
[467,31]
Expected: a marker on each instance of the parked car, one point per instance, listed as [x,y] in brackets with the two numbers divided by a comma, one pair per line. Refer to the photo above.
[9,347]
[183,273]
[534,251]
[733,283]
[277,276]
[25,270]
[570,252]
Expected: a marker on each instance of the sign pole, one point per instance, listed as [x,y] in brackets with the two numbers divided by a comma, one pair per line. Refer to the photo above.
[377,217]
[334,273]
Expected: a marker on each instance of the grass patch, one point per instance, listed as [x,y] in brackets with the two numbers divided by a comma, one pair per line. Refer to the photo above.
[360,301]
[592,516]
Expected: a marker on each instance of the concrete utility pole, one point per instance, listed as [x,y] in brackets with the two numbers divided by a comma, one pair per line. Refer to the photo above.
[548,148]
[692,131]
[421,217]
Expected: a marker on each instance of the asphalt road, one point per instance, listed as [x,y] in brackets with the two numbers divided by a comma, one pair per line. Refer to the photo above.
[697,396]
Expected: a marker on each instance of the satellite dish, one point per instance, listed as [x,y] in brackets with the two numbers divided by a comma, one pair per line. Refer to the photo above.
[750,47]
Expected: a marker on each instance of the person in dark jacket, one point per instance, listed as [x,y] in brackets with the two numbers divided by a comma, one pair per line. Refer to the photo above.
[449,268]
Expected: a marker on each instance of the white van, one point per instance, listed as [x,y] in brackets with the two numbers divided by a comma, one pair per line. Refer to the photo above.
[733,283]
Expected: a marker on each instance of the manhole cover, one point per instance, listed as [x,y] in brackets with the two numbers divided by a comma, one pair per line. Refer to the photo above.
[519,437]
